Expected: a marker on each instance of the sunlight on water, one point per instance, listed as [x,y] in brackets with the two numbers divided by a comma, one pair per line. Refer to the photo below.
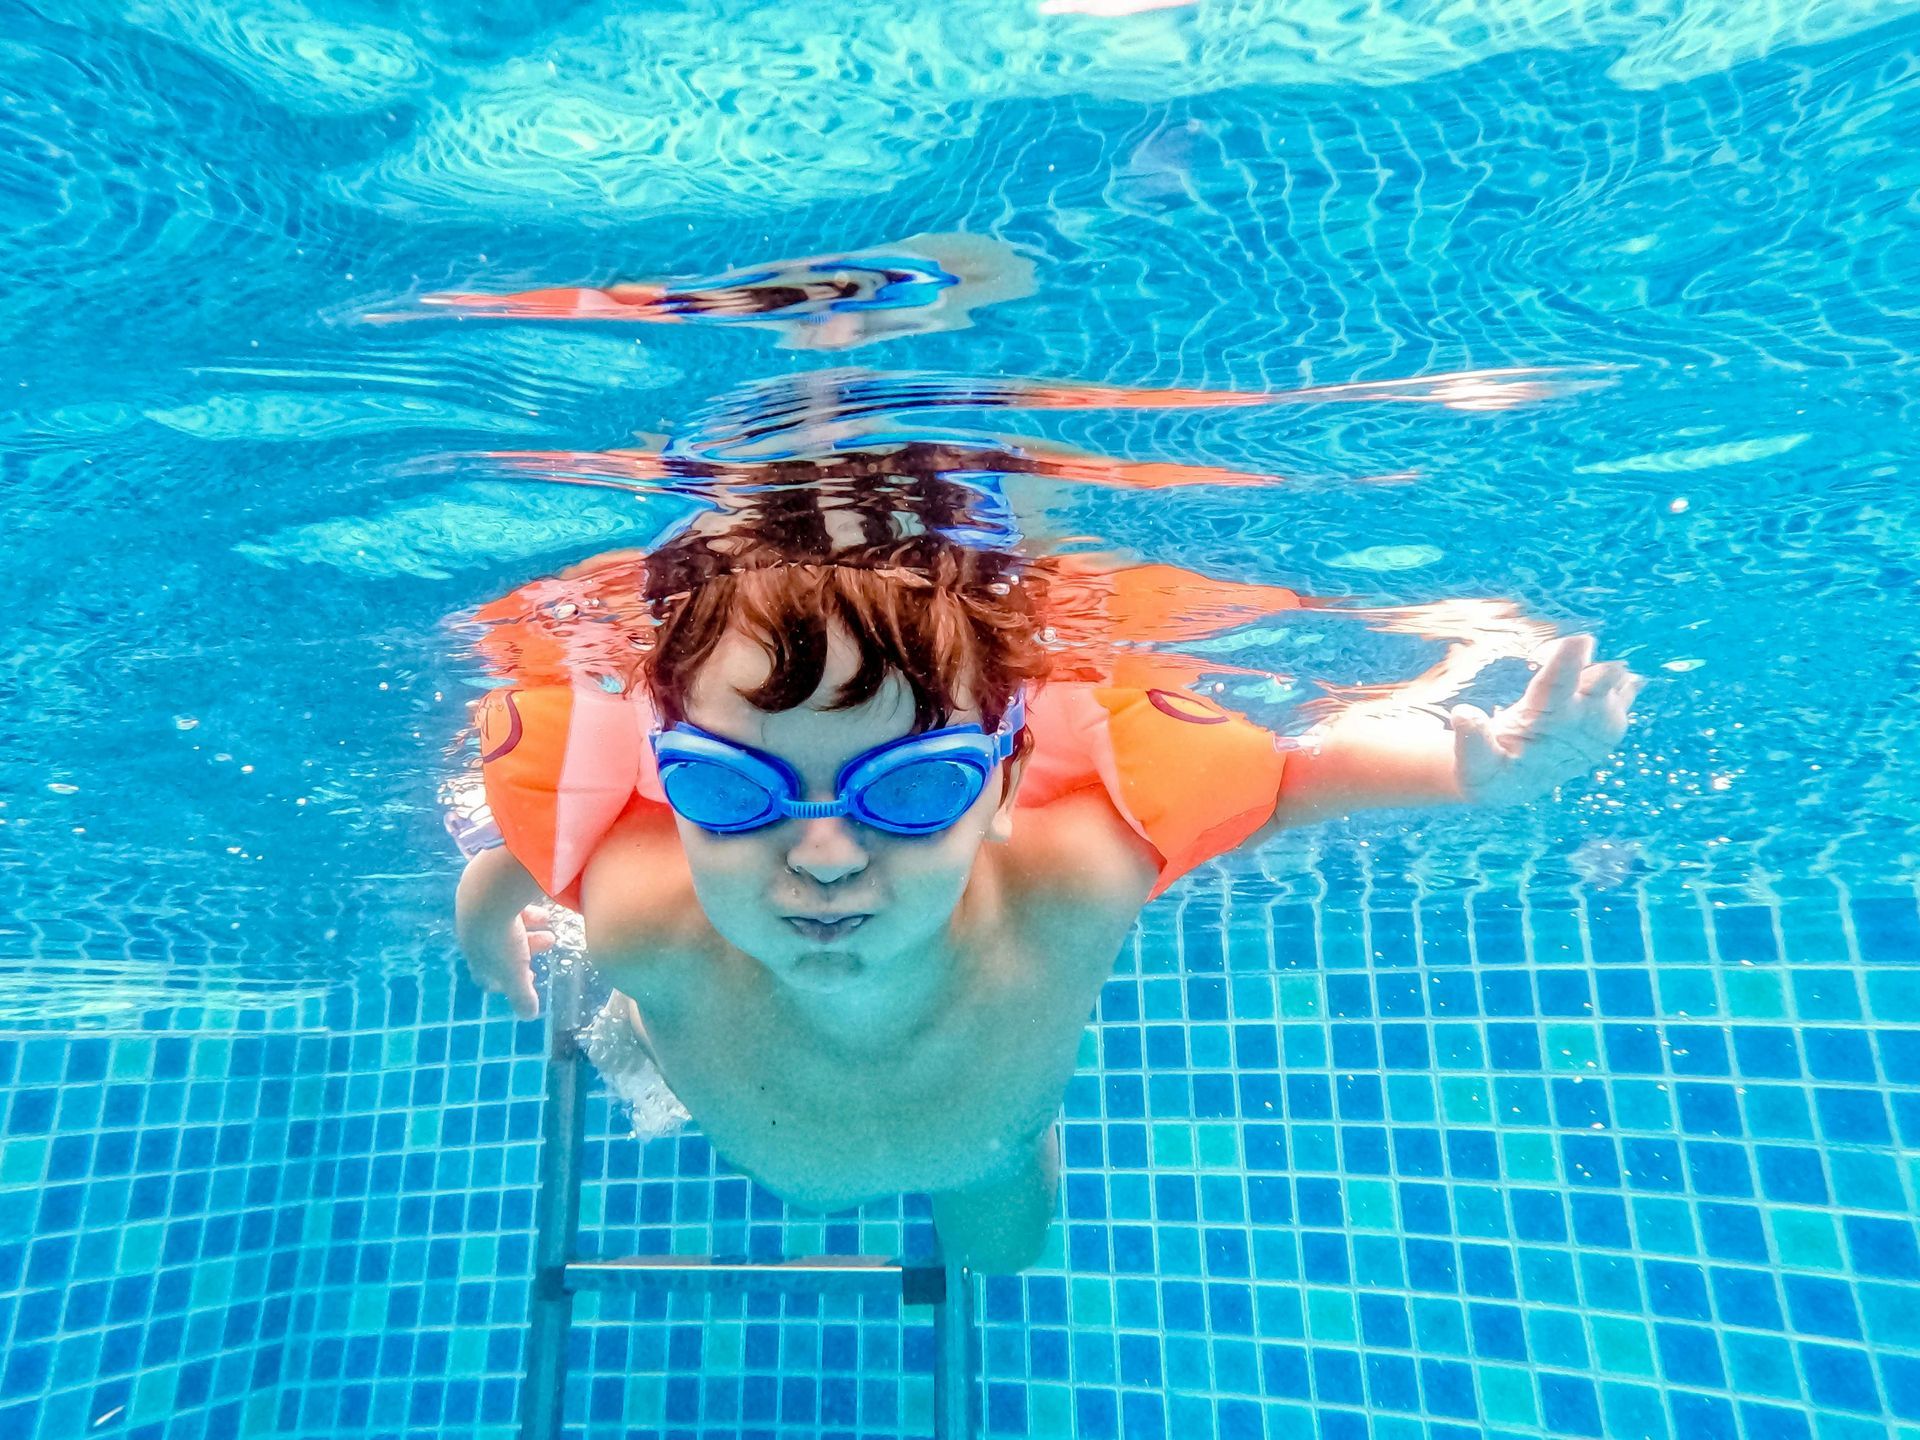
[335,324]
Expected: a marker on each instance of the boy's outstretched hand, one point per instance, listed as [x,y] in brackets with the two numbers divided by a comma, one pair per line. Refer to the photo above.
[1572,715]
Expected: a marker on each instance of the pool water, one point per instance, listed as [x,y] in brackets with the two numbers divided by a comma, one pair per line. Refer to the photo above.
[1595,1118]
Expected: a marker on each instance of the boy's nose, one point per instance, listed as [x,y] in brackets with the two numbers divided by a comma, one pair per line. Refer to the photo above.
[826,850]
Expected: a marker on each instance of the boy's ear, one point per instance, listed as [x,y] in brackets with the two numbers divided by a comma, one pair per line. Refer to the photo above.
[1000,828]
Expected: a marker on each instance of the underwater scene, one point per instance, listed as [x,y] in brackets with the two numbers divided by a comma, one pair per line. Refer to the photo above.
[1061,718]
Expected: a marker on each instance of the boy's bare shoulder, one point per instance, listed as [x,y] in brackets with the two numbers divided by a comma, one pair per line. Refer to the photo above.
[643,922]
[1076,853]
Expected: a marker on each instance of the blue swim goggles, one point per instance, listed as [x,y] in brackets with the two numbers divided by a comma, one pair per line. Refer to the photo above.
[916,785]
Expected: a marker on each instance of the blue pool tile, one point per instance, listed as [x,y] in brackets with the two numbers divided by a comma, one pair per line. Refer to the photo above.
[1901,1376]
[1791,1174]
[1143,1416]
[1866,1180]
[1360,1097]
[1556,1337]
[1697,1049]
[1820,1306]
[1391,1384]
[1677,1291]
[1579,1103]
[1840,1376]
[1391,933]
[1487,1270]
[1565,993]
[1718,1168]
[1746,1297]
[1431,1265]
[1513,1047]
[1632,1412]
[1323,1258]
[1614,931]
[1834,1054]
[1497,1331]
[1848,1116]
[1745,933]
[1448,1387]
[1707,1108]
[1624,993]
[1887,928]
[1778,1112]
[1825,993]
[1590,1160]
[1701,1417]
[1907,1118]
[1309,1097]
[1773,1422]
[1473,1155]
[1264,1147]
[1283,1371]
[1336,1377]
[1599,1220]
[1633,1049]
[1766,1052]
[1096,1413]
[1569,1405]
[1423,1209]
[1882,1247]
[1355,1047]
[1384,1321]
[1538,1214]
[1455,993]
[1416,1152]
[1397,994]
[1406,1047]
[1520,1099]
[1689,1354]
[1507,992]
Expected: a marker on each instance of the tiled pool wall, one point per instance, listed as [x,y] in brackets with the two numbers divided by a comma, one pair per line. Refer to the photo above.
[1474,1167]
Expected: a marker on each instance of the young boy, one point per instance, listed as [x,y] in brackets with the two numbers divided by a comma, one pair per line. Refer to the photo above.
[868,873]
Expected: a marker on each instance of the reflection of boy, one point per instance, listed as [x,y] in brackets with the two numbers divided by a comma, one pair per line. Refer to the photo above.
[851,1009]
[922,284]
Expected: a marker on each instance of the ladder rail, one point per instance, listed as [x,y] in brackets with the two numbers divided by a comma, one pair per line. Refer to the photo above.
[558,1276]
[556,1212]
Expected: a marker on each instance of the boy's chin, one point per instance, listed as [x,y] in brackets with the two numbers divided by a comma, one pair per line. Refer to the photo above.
[825,971]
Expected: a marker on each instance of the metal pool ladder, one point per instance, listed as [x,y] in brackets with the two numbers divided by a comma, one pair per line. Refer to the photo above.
[558,1277]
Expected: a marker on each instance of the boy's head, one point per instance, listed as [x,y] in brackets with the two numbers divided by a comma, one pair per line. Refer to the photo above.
[815,629]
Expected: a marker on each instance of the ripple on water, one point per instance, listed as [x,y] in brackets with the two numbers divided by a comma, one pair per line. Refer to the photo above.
[295,415]
[430,537]
[669,111]
[291,56]
[1698,457]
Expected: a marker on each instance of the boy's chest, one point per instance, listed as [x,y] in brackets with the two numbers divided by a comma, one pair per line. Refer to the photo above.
[828,1132]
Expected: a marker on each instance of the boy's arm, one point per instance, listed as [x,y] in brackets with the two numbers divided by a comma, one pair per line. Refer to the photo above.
[491,923]
[1572,714]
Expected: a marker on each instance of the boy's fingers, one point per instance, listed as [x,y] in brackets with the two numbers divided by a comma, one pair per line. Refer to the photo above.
[1473,742]
[540,942]
[1560,672]
[1600,679]
[524,999]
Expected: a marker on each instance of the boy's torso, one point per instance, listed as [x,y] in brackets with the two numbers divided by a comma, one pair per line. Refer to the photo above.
[962,1099]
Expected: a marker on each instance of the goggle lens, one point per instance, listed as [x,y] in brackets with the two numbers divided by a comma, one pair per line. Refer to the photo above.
[927,796]
[715,797]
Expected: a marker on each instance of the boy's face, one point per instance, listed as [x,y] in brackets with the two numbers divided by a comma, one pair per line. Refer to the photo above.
[828,904]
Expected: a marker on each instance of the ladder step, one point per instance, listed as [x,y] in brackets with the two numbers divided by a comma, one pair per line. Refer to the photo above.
[810,1275]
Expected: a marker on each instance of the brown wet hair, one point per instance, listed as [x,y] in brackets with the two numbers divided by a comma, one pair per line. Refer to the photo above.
[955,621]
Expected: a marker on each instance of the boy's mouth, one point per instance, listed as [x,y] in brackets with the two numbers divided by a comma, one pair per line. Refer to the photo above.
[826,927]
